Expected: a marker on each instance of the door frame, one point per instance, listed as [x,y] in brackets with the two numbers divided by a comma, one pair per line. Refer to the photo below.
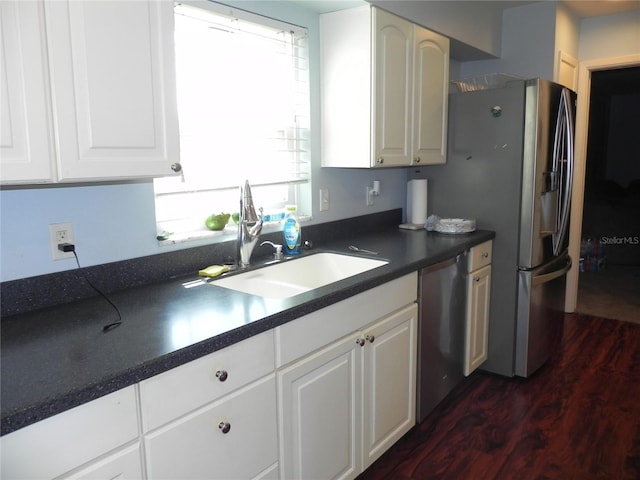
[582,127]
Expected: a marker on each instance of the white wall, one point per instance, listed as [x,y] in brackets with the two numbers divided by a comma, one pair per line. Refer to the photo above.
[528,44]
[110,222]
[610,36]
[475,23]
[567,31]
[117,222]
[567,35]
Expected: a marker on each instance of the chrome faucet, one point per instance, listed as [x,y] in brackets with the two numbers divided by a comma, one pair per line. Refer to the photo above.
[249,226]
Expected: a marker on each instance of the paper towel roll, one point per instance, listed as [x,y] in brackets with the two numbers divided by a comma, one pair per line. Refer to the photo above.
[417,201]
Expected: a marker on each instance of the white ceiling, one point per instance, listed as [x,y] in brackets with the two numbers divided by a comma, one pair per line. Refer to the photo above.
[463,52]
[599,8]
[581,8]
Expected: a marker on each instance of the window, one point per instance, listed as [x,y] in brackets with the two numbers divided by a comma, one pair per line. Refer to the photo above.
[243,109]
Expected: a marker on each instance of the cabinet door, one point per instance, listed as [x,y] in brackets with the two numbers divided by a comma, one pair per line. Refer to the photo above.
[26,151]
[477,331]
[113,88]
[431,93]
[319,404]
[392,89]
[389,382]
[235,437]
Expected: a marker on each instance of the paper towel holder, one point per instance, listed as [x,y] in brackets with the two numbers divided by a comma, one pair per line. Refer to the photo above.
[416,205]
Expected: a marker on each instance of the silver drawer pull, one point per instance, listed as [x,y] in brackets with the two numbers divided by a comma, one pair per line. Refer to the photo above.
[370,338]
[222,375]
[224,427]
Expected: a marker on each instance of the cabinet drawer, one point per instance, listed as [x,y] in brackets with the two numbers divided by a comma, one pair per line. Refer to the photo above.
[196,447]
[123,464]
[65,441]
[479,256]
[311,332]
[187,387]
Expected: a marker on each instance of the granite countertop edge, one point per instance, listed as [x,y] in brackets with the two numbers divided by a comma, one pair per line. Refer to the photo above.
[37,407]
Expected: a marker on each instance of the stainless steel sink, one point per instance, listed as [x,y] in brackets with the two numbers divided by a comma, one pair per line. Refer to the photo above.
[298,275]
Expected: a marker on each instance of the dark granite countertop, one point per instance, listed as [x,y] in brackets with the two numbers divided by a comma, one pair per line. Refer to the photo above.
[56,358]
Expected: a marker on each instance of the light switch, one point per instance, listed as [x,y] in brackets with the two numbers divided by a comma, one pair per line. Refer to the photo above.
[324,199]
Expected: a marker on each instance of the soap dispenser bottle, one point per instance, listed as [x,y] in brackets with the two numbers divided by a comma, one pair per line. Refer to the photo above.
[292,232]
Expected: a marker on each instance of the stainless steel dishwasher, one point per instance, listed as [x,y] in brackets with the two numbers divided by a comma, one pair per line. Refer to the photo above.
[441,330]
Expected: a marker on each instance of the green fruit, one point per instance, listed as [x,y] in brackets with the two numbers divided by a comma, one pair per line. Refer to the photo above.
[236,218]
[217,222]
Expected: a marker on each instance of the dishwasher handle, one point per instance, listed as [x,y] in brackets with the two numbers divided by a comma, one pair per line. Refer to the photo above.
[444,264]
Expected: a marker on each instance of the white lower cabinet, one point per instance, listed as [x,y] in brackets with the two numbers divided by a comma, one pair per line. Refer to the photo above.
[478,302]
[233,438]
[343,405]
[319,413]
[214,417]
[100,438]
[320,397]
[389,382]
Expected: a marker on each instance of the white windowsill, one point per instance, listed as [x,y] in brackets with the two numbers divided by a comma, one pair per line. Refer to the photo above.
[230,232]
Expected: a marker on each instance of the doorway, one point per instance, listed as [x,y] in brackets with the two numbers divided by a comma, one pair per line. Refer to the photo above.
[609,265]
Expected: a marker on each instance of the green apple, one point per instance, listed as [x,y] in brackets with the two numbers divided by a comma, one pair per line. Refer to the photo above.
[217,221]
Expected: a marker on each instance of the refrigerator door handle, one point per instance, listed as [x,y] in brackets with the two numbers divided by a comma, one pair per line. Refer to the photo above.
[565,166]
[547,277]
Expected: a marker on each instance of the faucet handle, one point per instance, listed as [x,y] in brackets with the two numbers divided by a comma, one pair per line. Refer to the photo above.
[278,253]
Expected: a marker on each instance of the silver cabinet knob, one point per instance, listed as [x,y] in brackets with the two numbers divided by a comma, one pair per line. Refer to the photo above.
[224,427]
[370,338]
[476,279]
[485,255]
[222,375]
[380,160]
[176,167]
[360,341]
[416,160]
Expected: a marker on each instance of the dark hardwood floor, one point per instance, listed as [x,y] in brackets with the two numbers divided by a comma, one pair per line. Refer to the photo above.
[576,418]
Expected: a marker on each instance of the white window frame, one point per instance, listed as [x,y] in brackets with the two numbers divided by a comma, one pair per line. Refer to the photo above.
[182,206]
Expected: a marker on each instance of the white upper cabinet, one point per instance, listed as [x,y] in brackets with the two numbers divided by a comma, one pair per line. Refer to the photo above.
[113,84]
[393,70]
[26,149]
[384,90]
[430,98]
[111,77]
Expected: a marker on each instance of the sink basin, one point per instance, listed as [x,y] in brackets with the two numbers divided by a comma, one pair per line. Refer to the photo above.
[298,275]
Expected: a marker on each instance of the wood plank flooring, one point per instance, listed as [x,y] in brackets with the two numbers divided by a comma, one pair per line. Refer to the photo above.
[576,418]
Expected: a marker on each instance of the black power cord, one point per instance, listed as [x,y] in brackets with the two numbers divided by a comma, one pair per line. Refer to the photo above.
[69,247]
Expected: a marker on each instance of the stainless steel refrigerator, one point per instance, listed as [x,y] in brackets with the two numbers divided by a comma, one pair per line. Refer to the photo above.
[510,167]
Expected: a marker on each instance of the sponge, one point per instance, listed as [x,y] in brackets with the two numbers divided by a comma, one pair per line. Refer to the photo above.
[213,271]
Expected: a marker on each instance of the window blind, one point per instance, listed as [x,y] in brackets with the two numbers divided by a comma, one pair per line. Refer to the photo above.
[243,106]
[243,99]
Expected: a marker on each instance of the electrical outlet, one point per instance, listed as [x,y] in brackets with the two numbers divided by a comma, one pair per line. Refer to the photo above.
[60,233]
[369,196]
[324,199]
